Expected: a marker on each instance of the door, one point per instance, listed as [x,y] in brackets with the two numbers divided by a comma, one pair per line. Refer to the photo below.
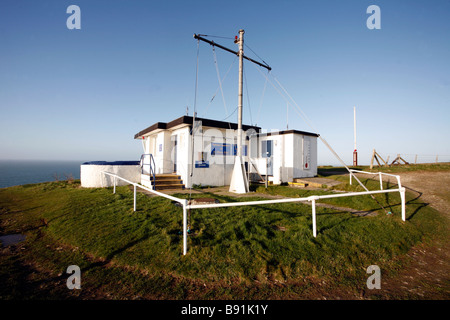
[175,148]
[267,154]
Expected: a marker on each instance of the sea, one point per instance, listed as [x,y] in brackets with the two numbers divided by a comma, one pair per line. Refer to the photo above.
[19,172]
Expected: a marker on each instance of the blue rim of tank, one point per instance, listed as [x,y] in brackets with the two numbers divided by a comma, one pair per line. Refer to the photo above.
[112,163]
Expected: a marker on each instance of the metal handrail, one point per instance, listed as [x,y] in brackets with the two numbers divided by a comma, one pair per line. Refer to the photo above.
[380,174]
[152,169]
[187,206]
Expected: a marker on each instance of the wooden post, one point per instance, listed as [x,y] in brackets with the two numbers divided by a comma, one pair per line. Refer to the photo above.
[371,160]
[376,158]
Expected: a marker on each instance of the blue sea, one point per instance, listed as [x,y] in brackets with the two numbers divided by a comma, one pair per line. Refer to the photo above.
[18,172]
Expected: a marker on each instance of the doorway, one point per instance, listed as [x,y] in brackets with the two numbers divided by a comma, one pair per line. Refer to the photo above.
[175,149]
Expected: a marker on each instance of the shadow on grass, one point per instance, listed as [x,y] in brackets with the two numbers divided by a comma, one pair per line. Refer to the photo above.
[110,256]
[409,202]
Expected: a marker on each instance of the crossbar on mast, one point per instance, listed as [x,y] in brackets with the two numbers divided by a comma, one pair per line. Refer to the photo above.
[198,37]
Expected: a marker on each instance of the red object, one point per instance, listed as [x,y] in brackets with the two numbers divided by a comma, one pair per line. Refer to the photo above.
[236,37]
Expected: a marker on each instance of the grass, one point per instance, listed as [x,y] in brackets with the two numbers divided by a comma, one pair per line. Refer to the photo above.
[442,166]
[239,252]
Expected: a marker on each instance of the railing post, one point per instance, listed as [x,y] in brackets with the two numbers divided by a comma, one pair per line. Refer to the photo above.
[185,203]
[114,184]
[313,201]
[134,206]
[403,198]
[350,177]
[381,181]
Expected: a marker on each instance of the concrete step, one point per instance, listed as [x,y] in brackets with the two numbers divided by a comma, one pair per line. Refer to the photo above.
[317,182]
[163,176]
[169,186]
[168,181]
[164,181]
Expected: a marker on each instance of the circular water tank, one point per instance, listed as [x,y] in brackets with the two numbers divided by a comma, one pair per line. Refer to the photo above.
[92,176]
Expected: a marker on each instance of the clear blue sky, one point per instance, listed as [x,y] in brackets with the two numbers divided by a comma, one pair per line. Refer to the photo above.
[83,94]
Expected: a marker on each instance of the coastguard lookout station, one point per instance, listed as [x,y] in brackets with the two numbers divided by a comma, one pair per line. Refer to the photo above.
[191,151]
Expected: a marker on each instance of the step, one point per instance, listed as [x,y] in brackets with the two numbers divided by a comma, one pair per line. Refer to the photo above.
[164,177]
[171,182]
[317,182]
[165,181]
[169,186]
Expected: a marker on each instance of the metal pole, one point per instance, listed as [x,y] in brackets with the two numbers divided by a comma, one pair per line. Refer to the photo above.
[114,184]
[381,181]
[354,125]
[185,227]
[313,201]
[355,153]
[134,206]
[240,95]
[402,197]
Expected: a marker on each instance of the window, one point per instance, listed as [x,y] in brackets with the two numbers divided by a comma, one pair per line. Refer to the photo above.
[266,148]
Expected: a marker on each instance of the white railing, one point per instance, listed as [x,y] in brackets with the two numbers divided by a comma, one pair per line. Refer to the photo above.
[183,202]
[186,206]
[380,176]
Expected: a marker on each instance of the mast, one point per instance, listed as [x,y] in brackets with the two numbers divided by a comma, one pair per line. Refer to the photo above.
[240,94]
[355,153]
[239,182]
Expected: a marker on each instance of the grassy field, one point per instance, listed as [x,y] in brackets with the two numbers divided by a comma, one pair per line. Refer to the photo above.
[444,166]
[257,252]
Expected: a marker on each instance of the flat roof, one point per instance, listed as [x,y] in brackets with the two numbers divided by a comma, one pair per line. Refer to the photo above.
[276,133]
[188,120]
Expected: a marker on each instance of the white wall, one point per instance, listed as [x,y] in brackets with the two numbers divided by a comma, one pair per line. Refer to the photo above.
[91,175]
[287,161]
[288,157]
[220,166]
[300,142]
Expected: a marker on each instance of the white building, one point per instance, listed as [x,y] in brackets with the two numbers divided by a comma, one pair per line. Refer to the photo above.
[168,155]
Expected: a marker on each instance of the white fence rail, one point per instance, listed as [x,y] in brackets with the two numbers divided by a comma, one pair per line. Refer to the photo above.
[311,199]
[380,177]
[183,202]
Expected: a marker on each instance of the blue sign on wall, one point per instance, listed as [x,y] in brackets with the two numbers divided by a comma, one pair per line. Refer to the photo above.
[225,149]
[202,164]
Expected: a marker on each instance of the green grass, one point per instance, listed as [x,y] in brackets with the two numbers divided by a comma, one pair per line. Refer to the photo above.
[231,247]
[330,170]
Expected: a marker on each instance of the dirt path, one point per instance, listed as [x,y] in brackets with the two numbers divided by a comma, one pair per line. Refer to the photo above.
[428,273]
[434,187]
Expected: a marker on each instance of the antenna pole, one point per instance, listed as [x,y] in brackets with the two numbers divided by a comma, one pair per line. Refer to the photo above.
[287,116]
[355,153]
